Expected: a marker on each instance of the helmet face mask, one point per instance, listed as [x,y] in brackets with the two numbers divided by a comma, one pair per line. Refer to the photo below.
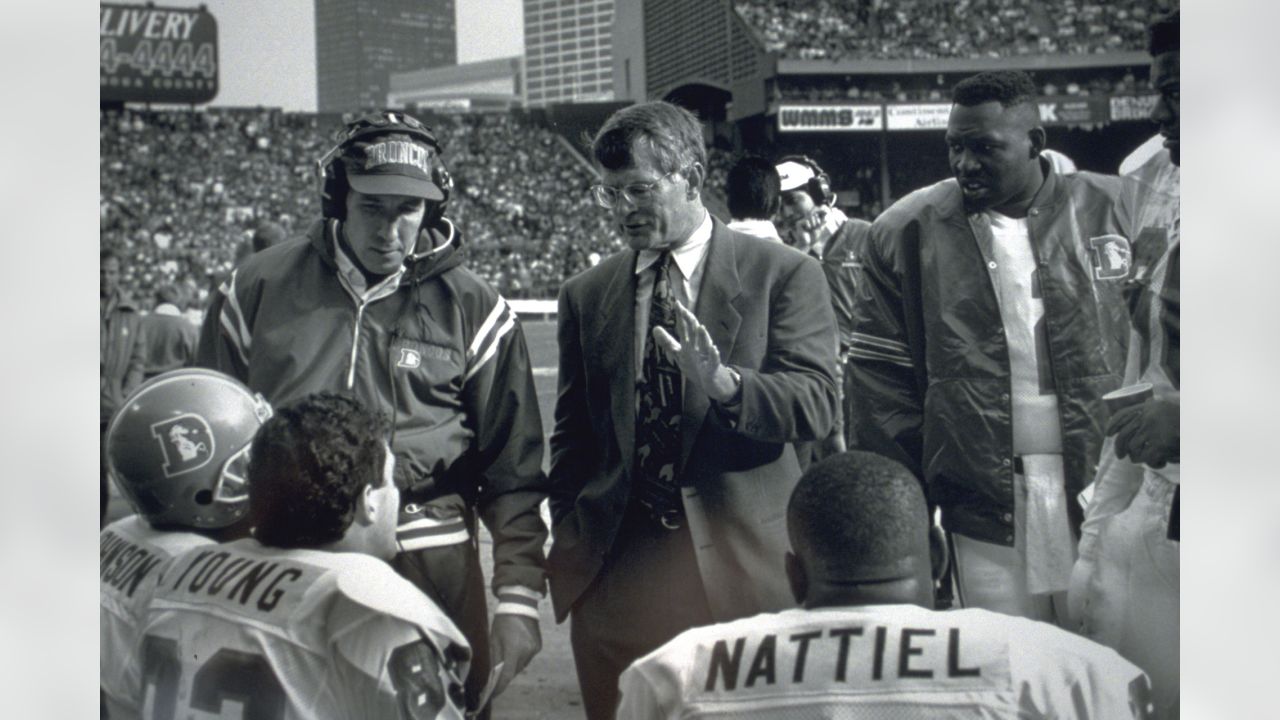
[233,480]
[178,448]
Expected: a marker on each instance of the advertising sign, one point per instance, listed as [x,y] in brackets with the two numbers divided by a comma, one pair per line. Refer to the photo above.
[830,118]
[918,116]
[155,54]
[1132,107]
[1073,110]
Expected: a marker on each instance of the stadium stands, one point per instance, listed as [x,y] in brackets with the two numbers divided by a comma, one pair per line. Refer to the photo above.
[936,88]
[919,29]
[179,191]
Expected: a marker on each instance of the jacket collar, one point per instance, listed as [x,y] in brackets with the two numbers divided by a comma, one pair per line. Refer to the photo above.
[1045,199]
[444,253]
[688,255]
[717,310]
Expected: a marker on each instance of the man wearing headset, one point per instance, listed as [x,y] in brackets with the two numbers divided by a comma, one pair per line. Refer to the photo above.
[808,220]
[376,302]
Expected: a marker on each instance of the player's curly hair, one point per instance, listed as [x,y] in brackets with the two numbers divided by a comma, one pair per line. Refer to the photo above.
[856,511]
[307,467]
[670,132]
[1007,87]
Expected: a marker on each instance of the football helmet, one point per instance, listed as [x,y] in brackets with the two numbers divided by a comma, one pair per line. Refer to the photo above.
[179,445]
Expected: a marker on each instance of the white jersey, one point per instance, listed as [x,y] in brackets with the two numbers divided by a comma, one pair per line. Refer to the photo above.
[892,661]
[294,635]
[132,556]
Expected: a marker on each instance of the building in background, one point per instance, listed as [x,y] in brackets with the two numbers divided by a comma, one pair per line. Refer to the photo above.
[568,50]
[696,53]
[484,85]
[359,43]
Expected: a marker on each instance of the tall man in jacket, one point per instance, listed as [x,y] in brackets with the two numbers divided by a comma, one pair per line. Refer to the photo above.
[988,324]
[1125,586]
[689,363]
[376,302]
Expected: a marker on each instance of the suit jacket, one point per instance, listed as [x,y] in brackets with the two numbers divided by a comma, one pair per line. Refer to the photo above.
[768,309]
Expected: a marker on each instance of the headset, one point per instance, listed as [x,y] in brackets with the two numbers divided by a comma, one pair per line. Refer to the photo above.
[331,177]
[818,186]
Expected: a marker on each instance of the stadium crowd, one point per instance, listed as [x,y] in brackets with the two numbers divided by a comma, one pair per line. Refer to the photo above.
[938,88]
[981,402]
[921,29]
[522,200]
[181,193]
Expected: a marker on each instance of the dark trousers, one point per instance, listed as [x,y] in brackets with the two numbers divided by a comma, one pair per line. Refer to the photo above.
[452,578]
[648,591]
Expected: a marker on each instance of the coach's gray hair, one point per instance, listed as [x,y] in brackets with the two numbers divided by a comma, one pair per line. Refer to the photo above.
[671,133]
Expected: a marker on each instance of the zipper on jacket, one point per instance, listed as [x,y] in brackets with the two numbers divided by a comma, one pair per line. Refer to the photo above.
[355,345]
[1042,269]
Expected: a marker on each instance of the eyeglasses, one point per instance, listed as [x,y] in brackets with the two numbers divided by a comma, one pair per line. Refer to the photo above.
[639,193]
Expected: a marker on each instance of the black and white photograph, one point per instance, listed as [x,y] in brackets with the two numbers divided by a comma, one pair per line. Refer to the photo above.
[595,359]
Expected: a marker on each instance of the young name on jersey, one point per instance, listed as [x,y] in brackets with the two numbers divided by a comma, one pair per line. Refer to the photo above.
[255,584]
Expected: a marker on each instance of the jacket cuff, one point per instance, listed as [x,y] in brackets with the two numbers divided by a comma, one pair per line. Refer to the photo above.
[730,411]
[517,600]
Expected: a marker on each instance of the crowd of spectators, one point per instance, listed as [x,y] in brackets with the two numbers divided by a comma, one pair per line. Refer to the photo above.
[848,88]
[181,193]
[921,29]
[522,199]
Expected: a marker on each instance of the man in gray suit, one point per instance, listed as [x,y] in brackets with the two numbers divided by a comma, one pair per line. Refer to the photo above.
[689,363]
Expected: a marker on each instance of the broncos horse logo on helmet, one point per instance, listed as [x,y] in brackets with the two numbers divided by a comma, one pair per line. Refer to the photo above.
[179,445]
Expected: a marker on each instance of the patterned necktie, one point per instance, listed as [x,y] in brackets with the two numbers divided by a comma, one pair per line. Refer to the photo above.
[658,408]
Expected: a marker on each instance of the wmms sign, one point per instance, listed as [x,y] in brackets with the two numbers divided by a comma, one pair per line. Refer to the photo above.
[830,118]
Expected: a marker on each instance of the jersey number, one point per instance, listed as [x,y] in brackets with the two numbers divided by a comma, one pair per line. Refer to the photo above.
[415,674]
[228,675]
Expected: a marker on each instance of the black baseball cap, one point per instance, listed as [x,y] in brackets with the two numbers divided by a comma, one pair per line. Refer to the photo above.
[393,164]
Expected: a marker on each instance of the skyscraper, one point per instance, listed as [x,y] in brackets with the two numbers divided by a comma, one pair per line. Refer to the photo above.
[359,43]
[568,50]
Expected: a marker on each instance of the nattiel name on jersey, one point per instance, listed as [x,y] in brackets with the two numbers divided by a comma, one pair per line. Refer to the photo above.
[251,583]
[123,564]
[880,653]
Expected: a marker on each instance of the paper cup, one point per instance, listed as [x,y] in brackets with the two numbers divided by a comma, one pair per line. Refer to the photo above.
[1127,396]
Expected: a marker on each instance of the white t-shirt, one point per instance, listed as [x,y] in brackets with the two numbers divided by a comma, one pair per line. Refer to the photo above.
[297,634]
[897,662]
[132,557]
[1036,425]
